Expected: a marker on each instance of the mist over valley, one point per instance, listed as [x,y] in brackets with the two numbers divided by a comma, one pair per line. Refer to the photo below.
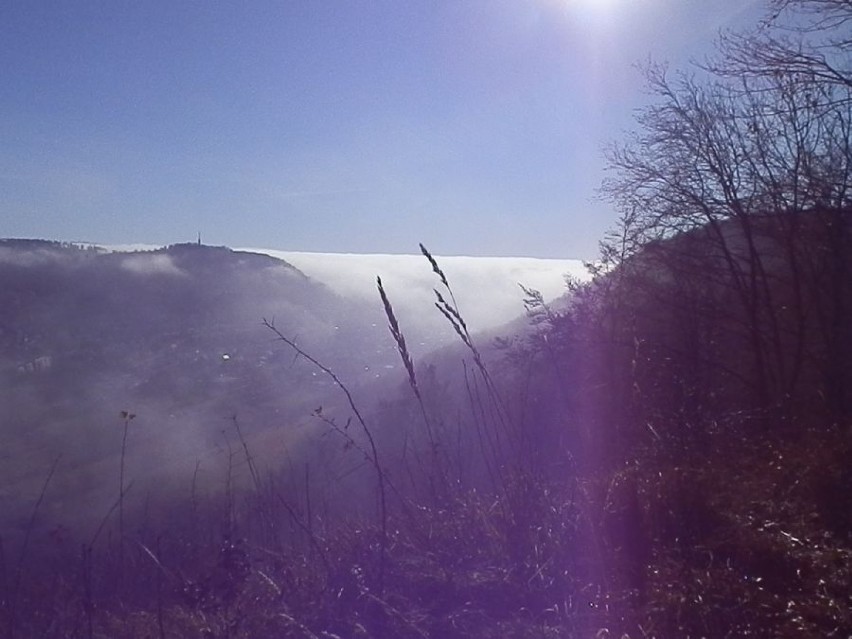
[175,336]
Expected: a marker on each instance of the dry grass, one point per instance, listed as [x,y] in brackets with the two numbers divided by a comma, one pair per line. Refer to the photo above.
[748,535]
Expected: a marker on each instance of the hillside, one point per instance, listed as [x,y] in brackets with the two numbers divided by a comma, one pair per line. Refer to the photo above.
[609,468]
[173,336]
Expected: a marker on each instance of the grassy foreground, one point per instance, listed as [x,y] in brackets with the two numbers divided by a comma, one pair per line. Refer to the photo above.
[742,540]
[492,530]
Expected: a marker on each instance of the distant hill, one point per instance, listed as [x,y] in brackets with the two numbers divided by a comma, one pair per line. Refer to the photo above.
[172,335]
[667,448]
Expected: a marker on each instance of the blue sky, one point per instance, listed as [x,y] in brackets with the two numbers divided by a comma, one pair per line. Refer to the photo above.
[475,127]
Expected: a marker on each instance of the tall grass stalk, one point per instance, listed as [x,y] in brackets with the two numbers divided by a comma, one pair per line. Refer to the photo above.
[489,412]
[436,473]
[22,555]
[381,478]
[86,565]
[127,417]
[313,539]
[87,598]
[262,493]
[450,310]
[106,517]
[491,458]
[230,520]
[194,500]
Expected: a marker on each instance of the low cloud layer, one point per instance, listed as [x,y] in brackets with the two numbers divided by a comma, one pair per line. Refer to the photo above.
[486,288]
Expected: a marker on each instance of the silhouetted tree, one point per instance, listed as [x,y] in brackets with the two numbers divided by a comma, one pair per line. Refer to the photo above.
[800,37]
[753,155]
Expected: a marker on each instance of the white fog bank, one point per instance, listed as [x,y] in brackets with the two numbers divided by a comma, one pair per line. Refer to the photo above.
[486,288]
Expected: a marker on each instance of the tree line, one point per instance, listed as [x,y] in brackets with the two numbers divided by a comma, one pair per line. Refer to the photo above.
[729,285]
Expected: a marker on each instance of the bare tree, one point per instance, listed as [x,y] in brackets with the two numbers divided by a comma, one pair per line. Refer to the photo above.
[753,152]
[811,38]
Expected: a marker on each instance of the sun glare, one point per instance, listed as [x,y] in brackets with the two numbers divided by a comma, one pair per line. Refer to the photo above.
[597,13]
[596,7]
